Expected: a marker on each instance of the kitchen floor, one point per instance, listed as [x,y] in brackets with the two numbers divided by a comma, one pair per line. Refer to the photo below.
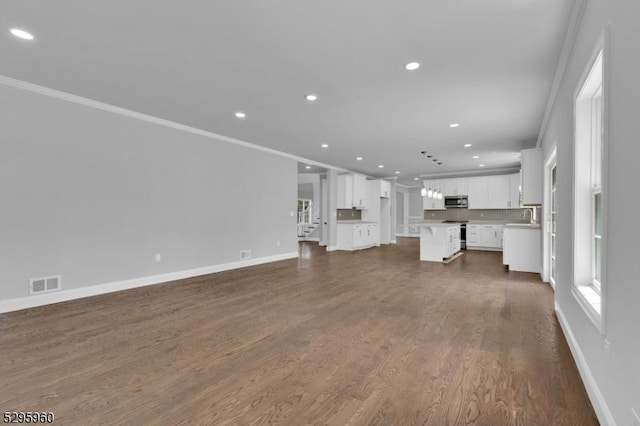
[367,337]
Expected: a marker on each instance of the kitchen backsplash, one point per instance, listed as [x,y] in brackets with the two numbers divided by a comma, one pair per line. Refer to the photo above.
[349,214]
[507,215]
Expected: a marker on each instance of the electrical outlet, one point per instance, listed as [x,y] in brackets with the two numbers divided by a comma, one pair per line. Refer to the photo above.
[245,254]
[635,418]
[278,243]
[158,257]
[291,213]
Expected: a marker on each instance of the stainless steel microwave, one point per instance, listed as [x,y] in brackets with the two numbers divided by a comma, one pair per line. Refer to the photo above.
[457,202]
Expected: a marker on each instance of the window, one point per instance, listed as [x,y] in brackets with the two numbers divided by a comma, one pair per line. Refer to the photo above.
[304,211]
[589,201]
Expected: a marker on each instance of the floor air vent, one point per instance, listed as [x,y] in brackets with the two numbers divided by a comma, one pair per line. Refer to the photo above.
[44,285]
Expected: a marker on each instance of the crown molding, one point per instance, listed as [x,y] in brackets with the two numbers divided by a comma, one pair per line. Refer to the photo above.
[471,173]
[68,97]
[567,48]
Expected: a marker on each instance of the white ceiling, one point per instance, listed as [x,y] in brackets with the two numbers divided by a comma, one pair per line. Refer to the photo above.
[487,65]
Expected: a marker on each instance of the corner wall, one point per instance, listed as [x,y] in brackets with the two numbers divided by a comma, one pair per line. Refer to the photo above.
[612,376]
[93,196]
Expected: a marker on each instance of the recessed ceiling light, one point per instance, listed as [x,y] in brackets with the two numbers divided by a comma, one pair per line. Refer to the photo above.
[481,165]
[325,145]
[359,158]
[381,166]
[467,145]
[240,114]
[412,66]
[311,97]
[416,178]
[21,34]
[397,172]
[476,156]
[454,125]
[307,167]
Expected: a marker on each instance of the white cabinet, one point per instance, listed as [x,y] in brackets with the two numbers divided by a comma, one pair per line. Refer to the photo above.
[433,203]
[385,189]
[494,192]
[514,191]
[531,177]
[360,191]
[474,235]
[352,191]
[479,192]
[453,245]
[355,236]
[438,241]
[498,191]
[456,186]
[522,248]
[463,186]
[484,237]
[345,191]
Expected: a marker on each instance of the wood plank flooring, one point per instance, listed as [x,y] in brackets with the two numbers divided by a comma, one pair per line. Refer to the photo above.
[369,337]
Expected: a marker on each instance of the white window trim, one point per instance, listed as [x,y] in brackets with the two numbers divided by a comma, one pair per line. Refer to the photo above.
[586,293]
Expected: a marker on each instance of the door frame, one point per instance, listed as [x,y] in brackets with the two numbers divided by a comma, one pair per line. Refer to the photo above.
[549,163]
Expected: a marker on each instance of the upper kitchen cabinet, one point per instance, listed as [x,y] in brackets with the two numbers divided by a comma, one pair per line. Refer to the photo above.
[360,191]
[514,191]
[433,203]
[456,186]
[352,191]
[479,192]
[498,191]
[345,191]
[531,177]
[385,189]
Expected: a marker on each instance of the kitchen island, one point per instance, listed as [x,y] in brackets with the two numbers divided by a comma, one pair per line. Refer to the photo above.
[439,241]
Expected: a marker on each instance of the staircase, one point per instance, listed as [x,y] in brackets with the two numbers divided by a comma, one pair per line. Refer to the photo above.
[307,232]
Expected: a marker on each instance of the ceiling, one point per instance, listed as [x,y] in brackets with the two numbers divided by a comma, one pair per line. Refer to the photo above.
[487,65]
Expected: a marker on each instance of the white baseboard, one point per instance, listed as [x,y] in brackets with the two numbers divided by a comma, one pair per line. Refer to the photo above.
[95,290]
[332,248]
[597,399]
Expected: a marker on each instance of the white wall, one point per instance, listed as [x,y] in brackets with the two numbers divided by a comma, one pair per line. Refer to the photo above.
[402,210]
[616,374]
[93,196]
[416,205]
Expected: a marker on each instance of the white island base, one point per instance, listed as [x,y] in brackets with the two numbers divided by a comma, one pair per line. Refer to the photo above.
[439,242]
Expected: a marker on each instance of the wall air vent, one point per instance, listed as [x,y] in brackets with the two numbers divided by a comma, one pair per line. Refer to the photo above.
[44,285]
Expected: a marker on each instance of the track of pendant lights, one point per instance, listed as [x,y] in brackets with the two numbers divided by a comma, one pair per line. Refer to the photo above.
[435,193]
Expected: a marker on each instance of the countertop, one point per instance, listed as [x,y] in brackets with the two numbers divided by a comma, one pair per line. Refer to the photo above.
[534,226]
[436,224]
[354,222]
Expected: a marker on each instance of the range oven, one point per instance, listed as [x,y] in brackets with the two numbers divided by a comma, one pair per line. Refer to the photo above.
[457,202]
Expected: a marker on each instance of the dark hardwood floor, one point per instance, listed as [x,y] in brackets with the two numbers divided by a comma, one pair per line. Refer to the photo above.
[369,337]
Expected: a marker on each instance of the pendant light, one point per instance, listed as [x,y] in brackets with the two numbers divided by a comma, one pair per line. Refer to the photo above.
[440,192]
[423,192]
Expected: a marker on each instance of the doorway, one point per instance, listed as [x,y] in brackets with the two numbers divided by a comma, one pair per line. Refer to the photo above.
[550,270]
